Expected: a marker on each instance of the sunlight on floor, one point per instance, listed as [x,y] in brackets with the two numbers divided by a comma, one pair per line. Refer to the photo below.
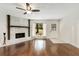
[40,44]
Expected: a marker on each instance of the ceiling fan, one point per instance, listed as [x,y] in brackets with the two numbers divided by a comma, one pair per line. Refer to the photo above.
[28,9]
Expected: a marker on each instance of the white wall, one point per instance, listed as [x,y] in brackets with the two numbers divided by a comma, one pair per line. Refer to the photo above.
[19,22]
[49,32]
[3,25]
[3,28]
[69,29]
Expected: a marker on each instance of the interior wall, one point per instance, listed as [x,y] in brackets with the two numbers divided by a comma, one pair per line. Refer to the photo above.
[49,32]
[3,25]
[17,21]
[69,29]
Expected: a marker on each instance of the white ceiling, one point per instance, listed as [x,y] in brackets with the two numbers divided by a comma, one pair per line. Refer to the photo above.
[47,10]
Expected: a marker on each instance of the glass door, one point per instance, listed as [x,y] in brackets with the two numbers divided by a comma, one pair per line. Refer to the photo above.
[39,29]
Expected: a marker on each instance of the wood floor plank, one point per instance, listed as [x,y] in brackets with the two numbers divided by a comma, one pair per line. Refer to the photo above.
[50,49]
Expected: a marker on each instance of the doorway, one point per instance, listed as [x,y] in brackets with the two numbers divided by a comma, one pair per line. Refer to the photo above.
[39,29]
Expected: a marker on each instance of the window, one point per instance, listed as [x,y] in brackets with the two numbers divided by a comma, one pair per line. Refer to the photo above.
[53,27]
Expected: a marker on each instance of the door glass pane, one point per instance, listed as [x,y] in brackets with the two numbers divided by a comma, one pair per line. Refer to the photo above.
[39,29]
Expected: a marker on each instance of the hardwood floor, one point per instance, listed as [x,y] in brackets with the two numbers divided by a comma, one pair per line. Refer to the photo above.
[42,47]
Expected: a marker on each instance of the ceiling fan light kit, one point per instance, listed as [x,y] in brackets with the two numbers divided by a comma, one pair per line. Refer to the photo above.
[28,9]
[29,12]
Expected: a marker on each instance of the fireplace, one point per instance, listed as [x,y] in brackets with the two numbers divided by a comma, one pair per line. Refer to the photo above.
[19,35]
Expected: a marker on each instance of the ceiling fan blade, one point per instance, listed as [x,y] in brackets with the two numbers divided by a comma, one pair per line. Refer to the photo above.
[25,13]
[20,8]
[35,10]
